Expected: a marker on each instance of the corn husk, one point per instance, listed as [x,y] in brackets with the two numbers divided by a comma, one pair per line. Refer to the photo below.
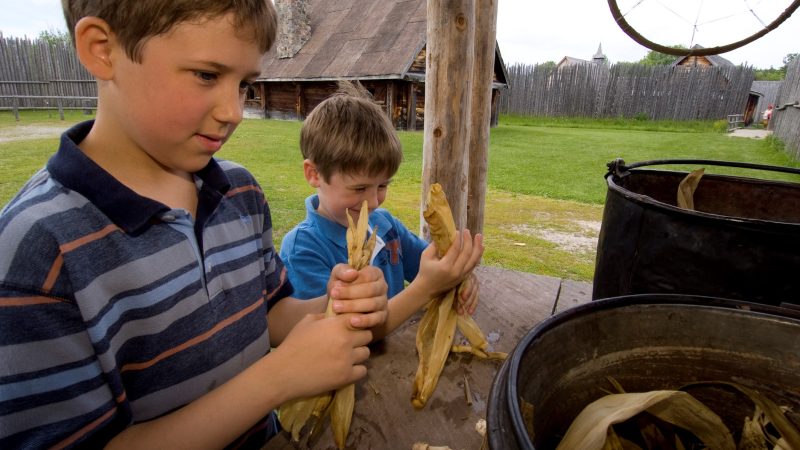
[590,429]
[339,404]
[437,328]
[767,412]
[767,429]
[687,187]
[426,446]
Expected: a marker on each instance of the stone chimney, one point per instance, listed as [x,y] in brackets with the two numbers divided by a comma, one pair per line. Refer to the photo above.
[294,26]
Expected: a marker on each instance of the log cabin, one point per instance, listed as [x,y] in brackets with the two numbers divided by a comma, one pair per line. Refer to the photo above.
[706,61]
[380,43]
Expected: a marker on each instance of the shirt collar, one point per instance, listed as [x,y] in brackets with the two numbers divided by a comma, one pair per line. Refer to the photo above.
[127,209]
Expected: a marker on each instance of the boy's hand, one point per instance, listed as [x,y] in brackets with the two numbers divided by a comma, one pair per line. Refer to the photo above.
[439,275]
[362,291]
[323,353]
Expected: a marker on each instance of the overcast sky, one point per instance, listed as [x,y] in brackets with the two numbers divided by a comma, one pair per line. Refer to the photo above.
[535,31]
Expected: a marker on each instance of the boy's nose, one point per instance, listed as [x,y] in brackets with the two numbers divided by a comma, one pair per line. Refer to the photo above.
[372,199]
[230,107]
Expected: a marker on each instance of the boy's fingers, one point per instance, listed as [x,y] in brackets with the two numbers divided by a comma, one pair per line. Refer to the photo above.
[369,320]
[359,372]
[362,339]
[371,284]
[345,273]
[361,305]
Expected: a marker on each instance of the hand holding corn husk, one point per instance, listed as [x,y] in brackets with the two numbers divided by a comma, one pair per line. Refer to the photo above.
[338,404]
[437,327]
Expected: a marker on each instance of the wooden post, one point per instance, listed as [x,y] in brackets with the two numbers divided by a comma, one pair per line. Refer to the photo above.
[390,102]
[482,77]
[411,121]
[448,86]
[300,102]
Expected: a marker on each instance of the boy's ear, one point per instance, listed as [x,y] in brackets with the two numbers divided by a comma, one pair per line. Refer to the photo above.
[311,173]
[93,43]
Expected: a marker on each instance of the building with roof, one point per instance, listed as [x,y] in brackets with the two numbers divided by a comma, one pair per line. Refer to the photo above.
[379,43]
[598,58]
[707,61]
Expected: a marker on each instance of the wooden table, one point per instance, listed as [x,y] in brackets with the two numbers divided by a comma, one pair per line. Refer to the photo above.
[511,303]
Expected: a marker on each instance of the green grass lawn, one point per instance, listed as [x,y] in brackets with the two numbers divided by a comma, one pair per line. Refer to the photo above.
[546,183]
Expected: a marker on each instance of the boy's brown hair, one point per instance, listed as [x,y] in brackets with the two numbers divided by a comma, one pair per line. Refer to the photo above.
[133,21]
[349,133]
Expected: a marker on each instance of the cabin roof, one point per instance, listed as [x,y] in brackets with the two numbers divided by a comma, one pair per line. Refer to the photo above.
[358,39]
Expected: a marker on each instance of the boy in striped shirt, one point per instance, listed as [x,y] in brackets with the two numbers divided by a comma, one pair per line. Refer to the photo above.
[138,274]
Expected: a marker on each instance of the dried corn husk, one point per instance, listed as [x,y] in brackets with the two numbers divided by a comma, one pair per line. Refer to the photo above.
[339,404]
[426,446]
[767,412]
[687,187]
[589,430]
[437,327]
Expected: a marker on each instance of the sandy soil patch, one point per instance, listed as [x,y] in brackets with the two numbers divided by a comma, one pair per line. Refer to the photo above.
[582,240]
[25,132]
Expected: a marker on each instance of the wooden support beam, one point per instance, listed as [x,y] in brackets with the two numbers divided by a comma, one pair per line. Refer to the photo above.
[390,96]
[411,121]
[300,101]
[481,111]
[448,87]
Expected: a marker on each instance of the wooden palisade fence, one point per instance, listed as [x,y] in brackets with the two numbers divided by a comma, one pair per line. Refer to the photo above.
[43,75]
[627,90]
[786,117]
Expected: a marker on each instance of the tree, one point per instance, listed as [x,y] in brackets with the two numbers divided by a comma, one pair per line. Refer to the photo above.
[54,37]
[549,65]
[654,58]
[770,74]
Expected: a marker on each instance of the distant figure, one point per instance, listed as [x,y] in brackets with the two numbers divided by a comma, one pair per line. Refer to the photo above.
[766,115]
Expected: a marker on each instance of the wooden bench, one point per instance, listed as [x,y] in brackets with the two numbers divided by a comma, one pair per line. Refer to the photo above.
[735,121]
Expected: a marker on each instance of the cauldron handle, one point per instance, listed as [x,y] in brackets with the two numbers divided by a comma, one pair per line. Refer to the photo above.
[618,167]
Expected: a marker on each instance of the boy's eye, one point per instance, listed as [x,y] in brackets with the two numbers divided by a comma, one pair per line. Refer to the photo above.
[205,76]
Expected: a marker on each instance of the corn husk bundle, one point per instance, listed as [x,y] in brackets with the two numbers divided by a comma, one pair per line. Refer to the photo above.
[593,429]
[340,403]
[687,187]
[437,327]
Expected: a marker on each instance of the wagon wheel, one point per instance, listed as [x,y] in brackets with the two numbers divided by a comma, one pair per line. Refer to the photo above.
[619,17]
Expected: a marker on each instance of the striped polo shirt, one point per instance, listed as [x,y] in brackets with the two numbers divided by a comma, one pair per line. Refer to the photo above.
[116,309]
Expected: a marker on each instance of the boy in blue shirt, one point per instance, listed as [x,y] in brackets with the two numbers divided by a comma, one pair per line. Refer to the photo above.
[351,151]
[138,274]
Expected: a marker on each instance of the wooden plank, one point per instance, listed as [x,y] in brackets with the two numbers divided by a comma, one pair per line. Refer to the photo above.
[511,303]
[573,293]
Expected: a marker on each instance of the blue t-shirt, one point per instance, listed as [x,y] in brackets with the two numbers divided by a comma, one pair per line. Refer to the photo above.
[315,245]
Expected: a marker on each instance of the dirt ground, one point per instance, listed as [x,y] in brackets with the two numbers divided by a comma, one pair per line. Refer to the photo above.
[24,132]
[581,240]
